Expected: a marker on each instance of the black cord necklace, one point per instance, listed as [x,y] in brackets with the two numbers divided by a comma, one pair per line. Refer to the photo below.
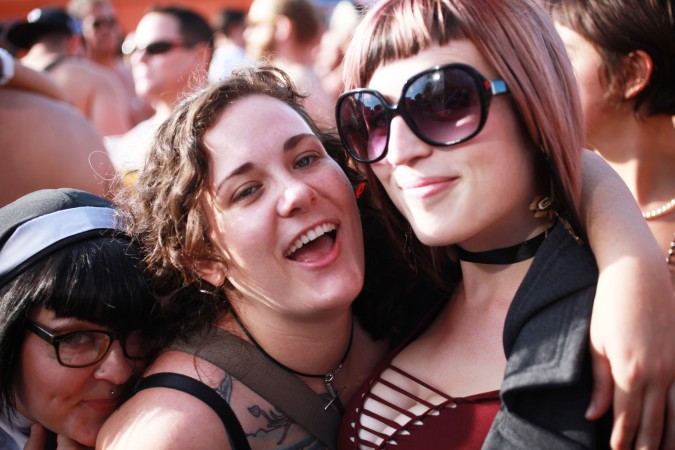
[509,255]
[327,378]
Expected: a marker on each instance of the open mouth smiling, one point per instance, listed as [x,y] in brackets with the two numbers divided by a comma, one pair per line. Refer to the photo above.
[316,239]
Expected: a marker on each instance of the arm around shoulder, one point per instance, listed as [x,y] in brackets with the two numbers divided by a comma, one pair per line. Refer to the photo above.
[632,326]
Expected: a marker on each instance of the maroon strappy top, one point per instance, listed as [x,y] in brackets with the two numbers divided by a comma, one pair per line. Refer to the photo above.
[390,411]
[450,423]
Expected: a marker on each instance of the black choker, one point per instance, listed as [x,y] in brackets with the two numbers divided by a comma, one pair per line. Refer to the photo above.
[327,377]
[509,255]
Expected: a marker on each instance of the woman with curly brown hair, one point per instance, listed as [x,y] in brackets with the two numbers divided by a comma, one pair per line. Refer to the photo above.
[250,222]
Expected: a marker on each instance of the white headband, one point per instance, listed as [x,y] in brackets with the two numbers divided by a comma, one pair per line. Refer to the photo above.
[38,234]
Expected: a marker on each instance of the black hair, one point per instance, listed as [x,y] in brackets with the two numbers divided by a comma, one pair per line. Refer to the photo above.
[97,280]
[617,28]
[193,28]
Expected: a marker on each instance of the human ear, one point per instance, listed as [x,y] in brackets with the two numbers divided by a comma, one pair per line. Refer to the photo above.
[203,51]
[283,29]
[213,272]
[638,67]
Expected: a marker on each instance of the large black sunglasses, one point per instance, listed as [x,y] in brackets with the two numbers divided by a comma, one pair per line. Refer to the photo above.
[88,347]
[154,48]
[443,106]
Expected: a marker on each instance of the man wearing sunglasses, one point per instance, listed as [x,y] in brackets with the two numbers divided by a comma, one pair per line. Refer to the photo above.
[169,55]
[51,38]
[102,37]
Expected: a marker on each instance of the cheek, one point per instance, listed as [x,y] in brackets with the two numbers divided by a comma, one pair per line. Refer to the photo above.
[45,390]
[591,89]
[383,172]
[240,237]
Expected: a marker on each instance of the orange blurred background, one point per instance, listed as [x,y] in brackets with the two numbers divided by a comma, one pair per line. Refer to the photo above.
[129,11]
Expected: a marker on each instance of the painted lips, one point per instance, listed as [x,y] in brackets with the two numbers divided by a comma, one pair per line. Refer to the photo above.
[426,187]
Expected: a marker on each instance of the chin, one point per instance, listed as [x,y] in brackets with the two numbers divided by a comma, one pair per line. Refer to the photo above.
[341,295]
[84,433]
[86,438]
[432,237]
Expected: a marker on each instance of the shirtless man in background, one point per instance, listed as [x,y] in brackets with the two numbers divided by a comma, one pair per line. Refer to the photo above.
[52,41]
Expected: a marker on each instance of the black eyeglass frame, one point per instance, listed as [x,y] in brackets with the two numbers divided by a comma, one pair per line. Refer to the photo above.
[55,340]
[487,89]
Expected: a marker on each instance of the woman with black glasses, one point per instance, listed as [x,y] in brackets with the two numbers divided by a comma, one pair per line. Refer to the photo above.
[73,304]
[468,123]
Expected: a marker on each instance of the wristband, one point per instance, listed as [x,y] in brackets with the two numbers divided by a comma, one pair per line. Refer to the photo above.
[7,66]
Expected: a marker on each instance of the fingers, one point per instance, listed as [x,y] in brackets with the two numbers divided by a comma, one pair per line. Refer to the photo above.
[37,439]
[627,414]
[652,420]
[64,443]
[603,384]
[668,442]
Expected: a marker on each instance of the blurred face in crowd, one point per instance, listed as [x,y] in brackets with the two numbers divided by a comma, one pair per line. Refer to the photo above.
[587,64]
[100,29]
[162,63]
[260,29]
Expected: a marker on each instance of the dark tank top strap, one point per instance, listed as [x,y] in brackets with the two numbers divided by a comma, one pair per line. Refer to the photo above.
[199,390]
[49,67]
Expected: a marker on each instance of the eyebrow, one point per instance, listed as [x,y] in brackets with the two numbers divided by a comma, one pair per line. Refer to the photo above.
[288,145]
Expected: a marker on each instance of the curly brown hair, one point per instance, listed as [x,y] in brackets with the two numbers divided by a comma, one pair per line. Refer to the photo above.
[168,217]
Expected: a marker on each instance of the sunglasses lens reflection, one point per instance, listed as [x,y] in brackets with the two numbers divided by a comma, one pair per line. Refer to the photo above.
[365,123]
[445,105]
[442,107]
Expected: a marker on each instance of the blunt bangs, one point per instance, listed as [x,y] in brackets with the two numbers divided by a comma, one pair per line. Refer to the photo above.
[514,36]
[97,280]
[392,27]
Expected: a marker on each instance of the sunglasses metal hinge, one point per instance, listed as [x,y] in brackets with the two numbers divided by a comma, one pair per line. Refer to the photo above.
[498,87]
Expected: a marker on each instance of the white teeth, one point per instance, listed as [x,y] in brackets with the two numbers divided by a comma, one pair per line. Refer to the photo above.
[310,235]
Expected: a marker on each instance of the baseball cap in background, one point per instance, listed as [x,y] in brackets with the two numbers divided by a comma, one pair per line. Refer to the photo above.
[40,22]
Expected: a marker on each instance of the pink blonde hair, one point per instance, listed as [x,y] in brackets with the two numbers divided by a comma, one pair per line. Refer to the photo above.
[517,38]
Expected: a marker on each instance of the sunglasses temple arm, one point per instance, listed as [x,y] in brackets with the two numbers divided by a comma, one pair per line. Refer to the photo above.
[498,87]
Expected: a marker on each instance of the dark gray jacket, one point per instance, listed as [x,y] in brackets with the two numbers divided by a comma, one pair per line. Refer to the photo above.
[548,378]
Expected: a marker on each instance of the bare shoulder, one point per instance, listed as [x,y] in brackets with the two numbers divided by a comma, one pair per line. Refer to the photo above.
[90,72]
[85,66]
[163,419]
[48,144]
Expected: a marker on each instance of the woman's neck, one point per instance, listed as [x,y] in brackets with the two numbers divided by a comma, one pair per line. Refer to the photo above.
[489,276]
[334,343]
[310,345]
[484,284]
[642,151]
